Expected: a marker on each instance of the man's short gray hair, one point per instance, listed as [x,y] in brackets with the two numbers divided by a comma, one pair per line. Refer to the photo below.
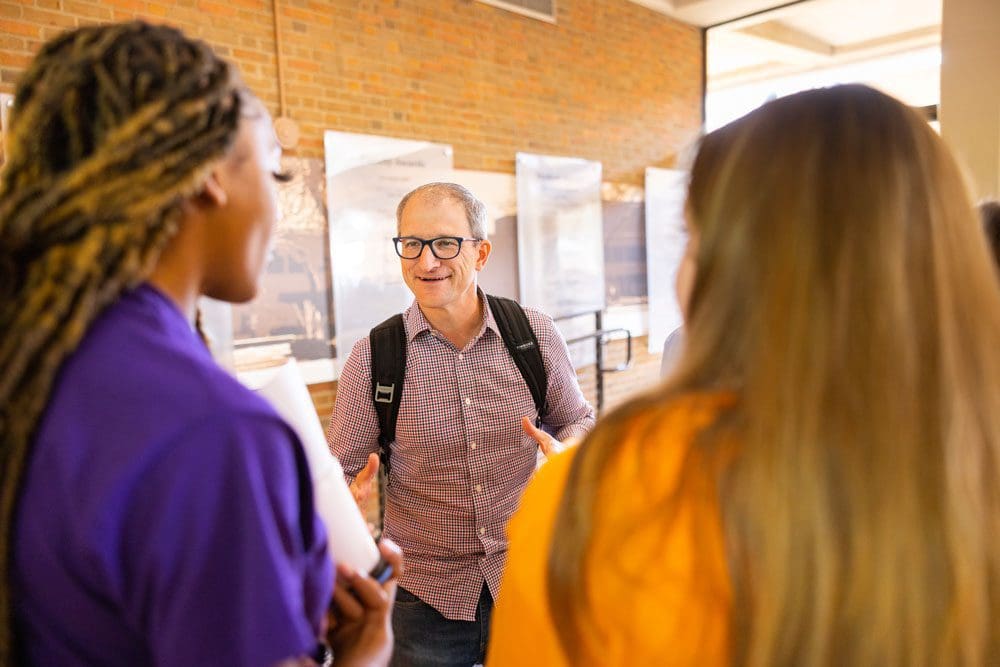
[475,210]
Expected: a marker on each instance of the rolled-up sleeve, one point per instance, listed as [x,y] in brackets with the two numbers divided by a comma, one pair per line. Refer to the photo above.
[353,430]
[569,414]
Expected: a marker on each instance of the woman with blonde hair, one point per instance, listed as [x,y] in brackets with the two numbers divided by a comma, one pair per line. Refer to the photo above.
[819,481]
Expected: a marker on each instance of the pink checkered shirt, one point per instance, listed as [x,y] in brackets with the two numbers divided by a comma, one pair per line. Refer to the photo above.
[461,459]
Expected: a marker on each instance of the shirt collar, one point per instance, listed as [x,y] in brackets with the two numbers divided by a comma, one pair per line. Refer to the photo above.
[415,323]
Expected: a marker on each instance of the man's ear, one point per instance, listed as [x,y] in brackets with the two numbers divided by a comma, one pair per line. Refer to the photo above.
[485,248]
[212,193]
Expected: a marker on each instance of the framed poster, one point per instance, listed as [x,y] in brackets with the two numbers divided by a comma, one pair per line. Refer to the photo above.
[560,243]
[366,177]
[291,315]
[560,234]
[499,193]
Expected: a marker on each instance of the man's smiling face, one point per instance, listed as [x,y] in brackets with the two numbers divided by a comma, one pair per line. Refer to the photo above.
[441,283]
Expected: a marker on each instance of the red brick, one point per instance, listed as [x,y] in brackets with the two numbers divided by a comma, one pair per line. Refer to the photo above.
[11,44]
[128,5]
[158,11]
[16,60]
[87,10]
[20,28]
[214,9]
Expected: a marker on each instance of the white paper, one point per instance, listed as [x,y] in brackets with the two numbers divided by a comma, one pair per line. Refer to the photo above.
[348,536]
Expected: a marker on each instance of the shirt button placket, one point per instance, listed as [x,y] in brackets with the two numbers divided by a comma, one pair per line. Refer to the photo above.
[472,447]
[478,488]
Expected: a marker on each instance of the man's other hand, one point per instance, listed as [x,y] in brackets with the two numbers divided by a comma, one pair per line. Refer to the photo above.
[364,483]
[546,442]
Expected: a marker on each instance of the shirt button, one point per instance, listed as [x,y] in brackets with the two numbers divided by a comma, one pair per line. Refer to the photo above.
[482,531]
[472,445]
[479,488]
[460,356]
[468,401]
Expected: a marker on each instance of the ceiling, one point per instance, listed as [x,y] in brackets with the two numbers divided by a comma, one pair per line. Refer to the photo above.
[893,44]
[704,13]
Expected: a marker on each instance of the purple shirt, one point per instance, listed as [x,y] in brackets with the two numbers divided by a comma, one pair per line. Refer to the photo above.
[461,459]
[166,516]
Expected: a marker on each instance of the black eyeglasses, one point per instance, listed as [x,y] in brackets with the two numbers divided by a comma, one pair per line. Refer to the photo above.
[443,247]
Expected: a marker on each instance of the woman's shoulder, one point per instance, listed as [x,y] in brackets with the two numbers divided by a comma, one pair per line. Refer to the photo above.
[143,352]
[542,496]
[681,413]
[662,431]
[656,546]
[663,426]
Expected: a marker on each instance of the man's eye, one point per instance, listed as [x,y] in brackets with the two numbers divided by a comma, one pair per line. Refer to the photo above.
[411,245]
[282,176]
[445,244]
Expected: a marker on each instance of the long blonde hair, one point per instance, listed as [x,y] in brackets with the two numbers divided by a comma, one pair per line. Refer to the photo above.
[844,291]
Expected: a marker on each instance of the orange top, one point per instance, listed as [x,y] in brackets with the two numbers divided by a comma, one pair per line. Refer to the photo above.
[660,592]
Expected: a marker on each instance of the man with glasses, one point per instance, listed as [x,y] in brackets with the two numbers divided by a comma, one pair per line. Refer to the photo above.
[465,442]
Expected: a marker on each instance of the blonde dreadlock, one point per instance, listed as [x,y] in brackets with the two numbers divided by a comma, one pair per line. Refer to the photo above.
[112,127]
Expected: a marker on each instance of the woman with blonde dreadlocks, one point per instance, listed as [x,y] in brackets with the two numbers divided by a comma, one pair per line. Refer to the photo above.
[818,481]
[154,512]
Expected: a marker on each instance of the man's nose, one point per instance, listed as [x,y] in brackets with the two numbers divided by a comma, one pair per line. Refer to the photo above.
[427,258]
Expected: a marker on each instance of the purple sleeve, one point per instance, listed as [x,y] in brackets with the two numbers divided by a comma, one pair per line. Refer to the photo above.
[353,431]
[227,561]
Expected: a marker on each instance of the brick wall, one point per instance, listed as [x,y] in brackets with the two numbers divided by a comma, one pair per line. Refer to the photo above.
[610,81]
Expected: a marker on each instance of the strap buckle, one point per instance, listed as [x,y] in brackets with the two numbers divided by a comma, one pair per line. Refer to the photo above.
[384,392]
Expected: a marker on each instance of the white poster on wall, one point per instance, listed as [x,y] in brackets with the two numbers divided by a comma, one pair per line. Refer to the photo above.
[290,316]
[665,240]
[561,243]
[366,176]
[560,233]
[498,192]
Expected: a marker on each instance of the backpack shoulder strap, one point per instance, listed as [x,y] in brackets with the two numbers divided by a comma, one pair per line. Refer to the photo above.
[388,350]
[522,344]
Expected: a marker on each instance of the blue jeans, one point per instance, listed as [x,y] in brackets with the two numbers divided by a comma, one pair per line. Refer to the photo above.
[425,638]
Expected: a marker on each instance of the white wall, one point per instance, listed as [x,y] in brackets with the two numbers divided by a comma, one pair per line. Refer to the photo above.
[970,88]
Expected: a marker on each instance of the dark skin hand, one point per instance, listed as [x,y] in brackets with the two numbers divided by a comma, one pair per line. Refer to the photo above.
[360,618]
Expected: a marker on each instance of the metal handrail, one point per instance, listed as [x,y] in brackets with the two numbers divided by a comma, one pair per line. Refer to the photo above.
[601,336]
[605,336]
[573,316]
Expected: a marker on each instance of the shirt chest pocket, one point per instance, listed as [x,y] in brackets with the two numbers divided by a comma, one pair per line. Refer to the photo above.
[505,399]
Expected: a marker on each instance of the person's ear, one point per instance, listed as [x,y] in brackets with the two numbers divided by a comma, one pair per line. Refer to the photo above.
[212,193]
[485,248]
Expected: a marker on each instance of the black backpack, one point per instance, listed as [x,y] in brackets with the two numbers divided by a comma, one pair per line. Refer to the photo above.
[388,350]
